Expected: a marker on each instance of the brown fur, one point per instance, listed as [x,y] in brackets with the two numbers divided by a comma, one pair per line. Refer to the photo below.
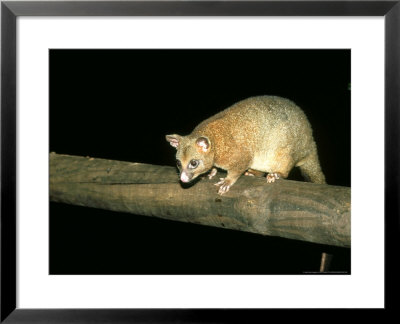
[268,134]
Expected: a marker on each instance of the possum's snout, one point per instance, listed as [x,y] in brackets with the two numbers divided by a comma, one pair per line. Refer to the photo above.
[186,177]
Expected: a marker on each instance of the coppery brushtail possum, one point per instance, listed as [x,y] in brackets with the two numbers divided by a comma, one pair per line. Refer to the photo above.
[265,133]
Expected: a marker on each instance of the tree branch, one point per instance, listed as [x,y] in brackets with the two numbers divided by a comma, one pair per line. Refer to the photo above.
[291,209]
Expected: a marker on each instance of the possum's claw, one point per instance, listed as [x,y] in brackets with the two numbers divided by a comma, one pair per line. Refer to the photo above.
[220,182]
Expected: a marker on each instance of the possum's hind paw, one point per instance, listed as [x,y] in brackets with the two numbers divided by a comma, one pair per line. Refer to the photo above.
[271,177]
[254,173]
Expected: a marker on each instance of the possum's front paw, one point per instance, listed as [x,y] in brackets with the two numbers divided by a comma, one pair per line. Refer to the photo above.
[224,184]
[271,177]
[212,173]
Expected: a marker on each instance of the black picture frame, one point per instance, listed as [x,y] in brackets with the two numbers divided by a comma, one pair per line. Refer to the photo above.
[10,10]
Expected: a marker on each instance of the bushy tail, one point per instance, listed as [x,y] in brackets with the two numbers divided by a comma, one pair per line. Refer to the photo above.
[311,169]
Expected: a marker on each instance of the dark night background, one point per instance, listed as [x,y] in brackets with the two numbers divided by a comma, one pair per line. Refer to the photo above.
[120,104]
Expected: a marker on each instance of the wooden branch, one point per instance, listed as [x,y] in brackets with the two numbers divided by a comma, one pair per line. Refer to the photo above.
[290,209]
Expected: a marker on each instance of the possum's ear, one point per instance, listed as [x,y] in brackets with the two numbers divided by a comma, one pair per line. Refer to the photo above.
[174,140]
[203,144]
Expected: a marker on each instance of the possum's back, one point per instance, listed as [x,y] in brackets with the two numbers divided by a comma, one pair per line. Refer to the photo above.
[263,118]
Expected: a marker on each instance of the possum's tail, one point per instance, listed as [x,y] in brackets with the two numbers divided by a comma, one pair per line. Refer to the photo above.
[311,169]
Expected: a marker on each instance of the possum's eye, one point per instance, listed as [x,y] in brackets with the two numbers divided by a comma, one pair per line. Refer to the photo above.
[193,164]
[178,164]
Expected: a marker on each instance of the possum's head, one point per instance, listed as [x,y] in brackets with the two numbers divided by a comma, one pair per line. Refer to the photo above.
[194,155]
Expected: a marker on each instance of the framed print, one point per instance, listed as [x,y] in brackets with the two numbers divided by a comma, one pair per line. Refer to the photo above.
[93,96]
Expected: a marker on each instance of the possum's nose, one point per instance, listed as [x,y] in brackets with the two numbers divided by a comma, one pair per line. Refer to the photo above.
[185,177]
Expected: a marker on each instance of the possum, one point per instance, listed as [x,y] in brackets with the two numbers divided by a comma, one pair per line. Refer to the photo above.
[266,134]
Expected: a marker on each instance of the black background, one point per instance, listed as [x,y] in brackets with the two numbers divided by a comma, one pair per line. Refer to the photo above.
[120,104]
